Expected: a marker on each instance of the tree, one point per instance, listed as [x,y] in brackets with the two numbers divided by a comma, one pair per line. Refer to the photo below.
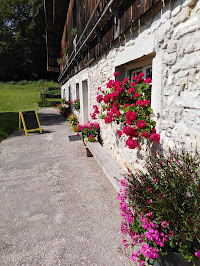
[22,40]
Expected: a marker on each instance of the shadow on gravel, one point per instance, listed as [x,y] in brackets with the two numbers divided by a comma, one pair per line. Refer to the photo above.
[50,119]
[9,123]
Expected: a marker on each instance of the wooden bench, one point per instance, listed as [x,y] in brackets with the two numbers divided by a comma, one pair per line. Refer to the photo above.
[110,166]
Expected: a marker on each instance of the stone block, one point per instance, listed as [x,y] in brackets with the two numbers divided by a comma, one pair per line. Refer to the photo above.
[191,99]
[169,59]
[192,44]
[197,7]
[176,68]
[172,47]
[163,30]
[180,131]
[189,3]
[182,16]
[176,11]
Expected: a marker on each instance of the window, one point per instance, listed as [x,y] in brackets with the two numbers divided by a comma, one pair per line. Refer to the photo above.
[147,70]
[69,93]
[77,91]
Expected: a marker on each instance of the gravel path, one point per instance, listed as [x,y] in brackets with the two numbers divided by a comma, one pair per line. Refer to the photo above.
[57,205]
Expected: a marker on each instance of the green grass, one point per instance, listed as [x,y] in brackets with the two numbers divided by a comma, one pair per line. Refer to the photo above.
[18,97]
[54,99]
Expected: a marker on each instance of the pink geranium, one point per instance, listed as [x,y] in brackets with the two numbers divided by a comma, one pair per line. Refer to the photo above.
[155,137]
[116,74]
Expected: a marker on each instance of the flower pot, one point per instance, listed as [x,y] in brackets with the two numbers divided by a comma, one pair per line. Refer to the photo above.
[174,259]
[75,128]
[88,152]
[92,139]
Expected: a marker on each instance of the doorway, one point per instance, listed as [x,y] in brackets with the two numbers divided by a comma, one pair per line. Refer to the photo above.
[85,100]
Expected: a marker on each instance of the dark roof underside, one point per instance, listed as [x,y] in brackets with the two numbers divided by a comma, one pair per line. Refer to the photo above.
[55,16]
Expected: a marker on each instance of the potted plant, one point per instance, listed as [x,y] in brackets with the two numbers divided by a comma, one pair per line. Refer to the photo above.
[63,110]
[73,120]
[161,208]
[89,131]
[75,104]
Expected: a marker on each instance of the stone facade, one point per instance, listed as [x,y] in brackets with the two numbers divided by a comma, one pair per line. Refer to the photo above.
[170,41]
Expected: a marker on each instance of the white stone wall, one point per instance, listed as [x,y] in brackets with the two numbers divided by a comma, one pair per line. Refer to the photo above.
[172,39]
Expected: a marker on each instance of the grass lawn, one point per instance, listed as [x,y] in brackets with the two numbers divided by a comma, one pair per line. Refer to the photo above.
[18,97]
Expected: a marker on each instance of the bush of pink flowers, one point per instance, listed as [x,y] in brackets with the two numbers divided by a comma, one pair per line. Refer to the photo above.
[161,208]
[90,130]
[128,103]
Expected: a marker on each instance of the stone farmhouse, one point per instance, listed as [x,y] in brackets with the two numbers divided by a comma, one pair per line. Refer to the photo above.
[161,38]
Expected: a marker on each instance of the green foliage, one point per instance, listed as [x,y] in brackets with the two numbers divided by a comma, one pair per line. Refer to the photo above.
[72,119]
[168,192]
[43,102]
[22,39]
[74,31]
[76,105]
[8,123]
[63,110]
[15,98]
[89,131]
[51,91]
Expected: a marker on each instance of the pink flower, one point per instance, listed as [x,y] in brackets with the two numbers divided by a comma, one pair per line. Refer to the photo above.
[119,133]
[164,224]
[132,84]
[136,95]
[116,74]
[148,80]
[70,102]
[99,98]
[197,254]
[140,75]
[132,144]
[129,131]
[108,120]
[141,124]
[123,182]
[149,200]
[131,116]
[131,90]
[155,137]
[91,136]
[145,134]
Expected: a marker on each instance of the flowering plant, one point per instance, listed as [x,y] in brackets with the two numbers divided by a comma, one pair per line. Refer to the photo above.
[128,103]
[72,119]
[64,50]
[161,207]
[89,130]
[63,110]
[60,61]
[76,104]
[62,53]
